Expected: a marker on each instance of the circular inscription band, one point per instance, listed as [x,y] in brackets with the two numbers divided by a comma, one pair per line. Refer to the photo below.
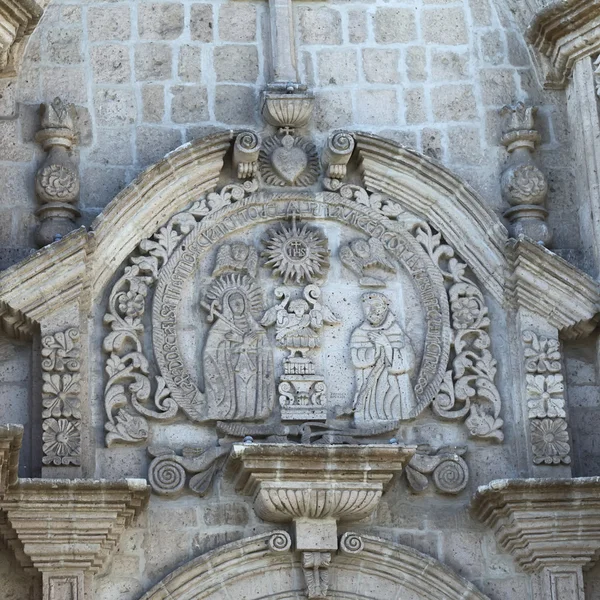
[265,208]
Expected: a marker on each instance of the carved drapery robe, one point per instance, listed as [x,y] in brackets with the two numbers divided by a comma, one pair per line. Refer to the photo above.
[384,360]
[238,368]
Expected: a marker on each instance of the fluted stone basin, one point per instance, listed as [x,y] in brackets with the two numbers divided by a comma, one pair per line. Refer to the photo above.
[316,486]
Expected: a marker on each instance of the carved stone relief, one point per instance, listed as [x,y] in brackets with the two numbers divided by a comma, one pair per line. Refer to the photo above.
[545,400]
[61,415]
[261,281]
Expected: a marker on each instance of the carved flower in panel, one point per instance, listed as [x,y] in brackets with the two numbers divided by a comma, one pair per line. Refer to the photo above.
[545,396]
[542,354]
[296,254]
[60,396]
[61,441]
[550,441]
[132,303]
[61,351]
[465,312]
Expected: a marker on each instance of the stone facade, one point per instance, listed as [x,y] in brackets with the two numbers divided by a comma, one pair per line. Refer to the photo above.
[299,299]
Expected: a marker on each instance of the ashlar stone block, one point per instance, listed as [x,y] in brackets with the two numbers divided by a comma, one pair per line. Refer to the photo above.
[160,21]
[337,67]
[444,25]
[189,104]
[357,26]
[235,104]
[395,25]
[110,63]
[454,103]
[109,22]
[381,65]
[416,63]
[320,25]
[447,65]
[237,22]
[153,103]
[333,110]
[377,107]
[201,22]
[189,67]
[114,106]
[153,61]
[237,63]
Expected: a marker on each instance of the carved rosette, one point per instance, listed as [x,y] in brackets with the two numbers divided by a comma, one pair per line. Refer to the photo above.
[57,180]
[61,400]
[545,400]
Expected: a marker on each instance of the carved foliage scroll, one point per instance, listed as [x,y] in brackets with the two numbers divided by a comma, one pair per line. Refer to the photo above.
[545,400]
[468,390]
[129,396]
[61,400]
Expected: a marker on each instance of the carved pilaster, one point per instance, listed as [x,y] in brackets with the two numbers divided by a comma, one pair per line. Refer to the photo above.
[57,180]
[524,186]
[61,398]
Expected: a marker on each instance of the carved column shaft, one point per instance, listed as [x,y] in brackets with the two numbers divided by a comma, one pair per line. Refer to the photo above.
[57,180]
[584,125]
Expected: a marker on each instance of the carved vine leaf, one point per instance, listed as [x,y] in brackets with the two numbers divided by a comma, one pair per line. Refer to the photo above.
[128,397]
[468,391]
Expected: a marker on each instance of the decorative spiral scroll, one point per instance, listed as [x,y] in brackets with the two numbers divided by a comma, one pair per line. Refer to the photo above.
[280,541]
[166,476]
[351,543]
[247,141]
[341,143]
[451,476]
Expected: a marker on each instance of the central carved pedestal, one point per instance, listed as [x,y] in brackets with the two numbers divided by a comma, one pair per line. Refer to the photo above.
[315,487]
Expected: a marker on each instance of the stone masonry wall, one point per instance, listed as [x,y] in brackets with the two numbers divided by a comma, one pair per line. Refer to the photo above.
[149,76]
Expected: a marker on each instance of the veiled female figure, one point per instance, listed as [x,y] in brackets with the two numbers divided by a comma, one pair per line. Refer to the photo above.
[238,362]
[384,360]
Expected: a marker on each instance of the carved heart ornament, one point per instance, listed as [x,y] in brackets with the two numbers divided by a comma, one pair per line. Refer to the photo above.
[289,161]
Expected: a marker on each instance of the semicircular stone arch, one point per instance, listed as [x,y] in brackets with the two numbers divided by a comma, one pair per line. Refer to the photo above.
[249,570]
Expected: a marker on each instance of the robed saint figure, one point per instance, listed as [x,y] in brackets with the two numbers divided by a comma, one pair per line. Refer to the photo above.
[384,361]
[238,361]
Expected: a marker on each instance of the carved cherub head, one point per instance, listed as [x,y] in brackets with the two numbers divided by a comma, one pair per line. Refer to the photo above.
[298,307]
[376,307]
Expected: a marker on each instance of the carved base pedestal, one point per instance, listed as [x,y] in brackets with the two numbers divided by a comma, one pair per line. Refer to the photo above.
[303,398]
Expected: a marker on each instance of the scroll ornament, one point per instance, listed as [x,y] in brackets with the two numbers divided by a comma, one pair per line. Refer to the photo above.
[468,390]
[129,396]
[61,425]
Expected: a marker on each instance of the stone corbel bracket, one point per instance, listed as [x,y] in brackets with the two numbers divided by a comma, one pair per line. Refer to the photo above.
[549,526]
[315,487]
[549,286]
[562,33]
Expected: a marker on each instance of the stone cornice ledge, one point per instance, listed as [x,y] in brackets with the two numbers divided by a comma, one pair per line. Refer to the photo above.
[564,32]
[18,19]
[548,285]
[72,524]
[543,522]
